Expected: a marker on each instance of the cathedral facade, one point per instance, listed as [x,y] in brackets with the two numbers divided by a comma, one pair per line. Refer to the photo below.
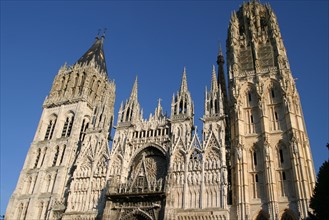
[251,160]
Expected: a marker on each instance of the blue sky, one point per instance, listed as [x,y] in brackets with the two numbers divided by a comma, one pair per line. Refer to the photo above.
[151,39]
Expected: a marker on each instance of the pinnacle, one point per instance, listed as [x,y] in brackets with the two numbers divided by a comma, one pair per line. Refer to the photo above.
[134,91]
[214,86]
[183,87]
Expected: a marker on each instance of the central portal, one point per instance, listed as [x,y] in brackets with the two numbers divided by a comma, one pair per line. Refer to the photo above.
[141,195]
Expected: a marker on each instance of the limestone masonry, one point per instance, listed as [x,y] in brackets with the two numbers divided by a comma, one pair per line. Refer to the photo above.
[252,161]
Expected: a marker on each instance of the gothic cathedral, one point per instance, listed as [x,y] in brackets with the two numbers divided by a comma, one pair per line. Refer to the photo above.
[252,159]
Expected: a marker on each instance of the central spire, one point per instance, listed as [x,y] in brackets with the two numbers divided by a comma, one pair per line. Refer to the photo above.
[95,54]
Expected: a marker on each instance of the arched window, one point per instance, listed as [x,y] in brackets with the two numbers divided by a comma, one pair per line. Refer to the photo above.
[67,128]
[84,127]
[55,156]
[92,84]
[251,110]
[275,105]
[48,181]
[43,156]
[255,158]
[28,185]
[37,158]
[82,83]
[19,211]
[40,208]
[50,130]
[63,152]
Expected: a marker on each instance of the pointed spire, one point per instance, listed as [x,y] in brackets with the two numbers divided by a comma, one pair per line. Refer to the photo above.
[134,91]
[95,54]
[214,83]
[158,110]
[220,57]
[183,87]
[220,52]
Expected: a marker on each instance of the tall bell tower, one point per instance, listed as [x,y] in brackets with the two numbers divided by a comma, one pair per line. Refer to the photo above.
[272,169]
[65,167]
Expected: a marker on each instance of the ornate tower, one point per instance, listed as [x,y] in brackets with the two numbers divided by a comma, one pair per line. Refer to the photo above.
[214,157]
[182,114]
[272,169]
[197,176]
[65,167]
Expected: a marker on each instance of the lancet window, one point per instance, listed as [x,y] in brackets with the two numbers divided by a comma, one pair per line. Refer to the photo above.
[40,209]
[67,128]
[256,172]
[50,128]
[275,108]
[56,156]
[37,158]
[20,214]
[284,169]
[63,153]
[84,127]
[251,111]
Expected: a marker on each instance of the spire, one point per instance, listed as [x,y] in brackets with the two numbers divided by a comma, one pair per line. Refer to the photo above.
[158,110]
[220,57]
[214,86]
[221,77]
[134,91]
[95,53]
[183,87]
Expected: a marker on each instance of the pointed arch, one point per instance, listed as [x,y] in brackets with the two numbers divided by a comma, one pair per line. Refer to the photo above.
[137,214]
[56,154]
[212,142]
[38,155]
[288,215]
[178,161]
[284,175]
[116,165]
[261,216]
[194,159]
[68,124]
[250,100]
[52,119]
[147,170]
[19,212]
[273,96]
[212,158]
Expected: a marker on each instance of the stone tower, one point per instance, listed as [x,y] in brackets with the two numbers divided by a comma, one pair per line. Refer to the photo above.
[272,169]
[66,164]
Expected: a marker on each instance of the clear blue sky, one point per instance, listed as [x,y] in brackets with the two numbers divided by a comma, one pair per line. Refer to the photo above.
[151,39]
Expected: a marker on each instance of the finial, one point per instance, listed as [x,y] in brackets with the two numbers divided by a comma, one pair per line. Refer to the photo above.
[98,32]
[104,31]
[159,102]
[220,52]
